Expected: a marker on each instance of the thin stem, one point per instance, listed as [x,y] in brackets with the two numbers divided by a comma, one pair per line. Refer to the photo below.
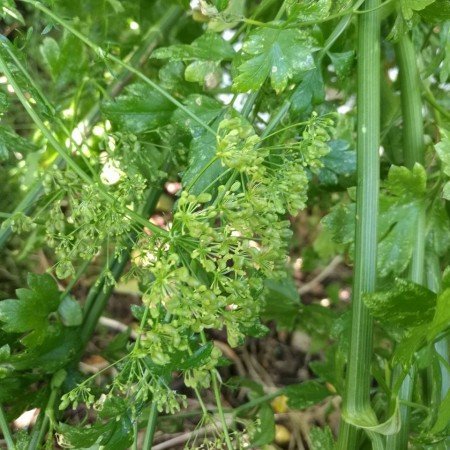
[356,405]
[151,425]
[5,430]
[216,390]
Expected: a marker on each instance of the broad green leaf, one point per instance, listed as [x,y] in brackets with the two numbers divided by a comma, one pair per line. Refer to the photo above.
[59,347]
[443,150]
[321,438]
[441,319]
[438,226]
[139,110]
[404,182]
[205,108]
[409,6]
[201,171]
[342,62]
[282,302]
[208,47]
[60,61]
[223,18]
[309,92]
[425,333]
[197,359]
[405,304]
[70,312]
[117,433]
[308,10]
[438,11]
[265,433]
[412,341]
[304,395]
[31,312]
[204,72]
[400,208]
[339,165]
[276,54]
[341,222]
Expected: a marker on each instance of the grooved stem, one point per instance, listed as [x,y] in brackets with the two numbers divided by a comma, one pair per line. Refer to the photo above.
[413,152]
[356,404]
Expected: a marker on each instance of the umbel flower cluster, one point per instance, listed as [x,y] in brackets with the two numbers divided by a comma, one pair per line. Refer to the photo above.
[209,270]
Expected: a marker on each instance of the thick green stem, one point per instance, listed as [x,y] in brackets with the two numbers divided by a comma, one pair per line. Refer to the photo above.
[356,402]
[5,431]
[413,152]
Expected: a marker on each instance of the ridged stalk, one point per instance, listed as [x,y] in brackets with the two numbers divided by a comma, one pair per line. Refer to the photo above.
[413,152]
[356,402]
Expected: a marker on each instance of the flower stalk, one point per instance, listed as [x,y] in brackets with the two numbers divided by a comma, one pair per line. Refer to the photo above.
[356,402]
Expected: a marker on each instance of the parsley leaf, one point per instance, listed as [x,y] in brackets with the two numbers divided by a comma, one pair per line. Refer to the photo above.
[277,53]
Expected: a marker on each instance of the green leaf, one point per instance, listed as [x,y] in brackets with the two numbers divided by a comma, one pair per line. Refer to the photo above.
[438,11]
[404,182]
[446,191]
[321,438]
[207,109]
[443,418]
[443,150]
[409,6]
[115,434]
[223,19]
[265,433]
[341,222]
[308,10]
[339,165]
[70,312]
[441,319]
[438,226]
[278,54]
[60,61]
[310,91]
[400,208]
[342,62]
[304,395]
[282,303]
[31,312]
[405,304]
[10,142]
[139,110]
[197,359]
[209,47]
[203,72]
